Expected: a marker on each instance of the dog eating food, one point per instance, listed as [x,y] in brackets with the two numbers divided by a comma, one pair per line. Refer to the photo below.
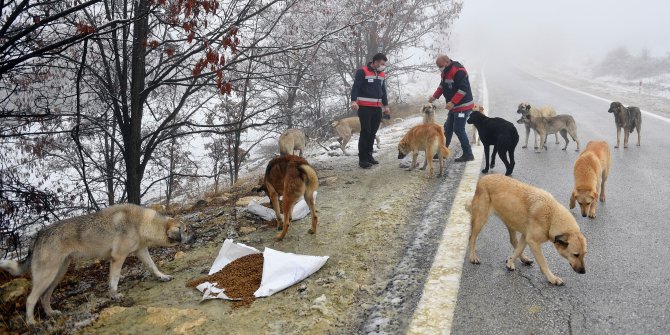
[239,279]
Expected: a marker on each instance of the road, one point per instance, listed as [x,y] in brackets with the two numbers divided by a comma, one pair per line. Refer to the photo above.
[625,288]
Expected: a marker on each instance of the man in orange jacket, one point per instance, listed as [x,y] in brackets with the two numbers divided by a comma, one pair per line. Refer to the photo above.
[368,97]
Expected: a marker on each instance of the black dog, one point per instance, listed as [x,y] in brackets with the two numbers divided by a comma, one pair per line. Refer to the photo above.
[499,133]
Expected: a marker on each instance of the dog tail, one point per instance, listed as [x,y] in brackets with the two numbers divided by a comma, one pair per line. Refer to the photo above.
[16,268]
[444,151]
[308,174]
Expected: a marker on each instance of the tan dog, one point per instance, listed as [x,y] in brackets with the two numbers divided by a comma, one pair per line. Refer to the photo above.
[292,140]
[533,213]
[428,112]
[345,128]
[424,137]
[475,133]
[544,111]
[290,177]
[591,170]
[114,232]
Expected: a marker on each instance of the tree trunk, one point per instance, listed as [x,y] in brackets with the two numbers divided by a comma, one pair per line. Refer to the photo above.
[133,144]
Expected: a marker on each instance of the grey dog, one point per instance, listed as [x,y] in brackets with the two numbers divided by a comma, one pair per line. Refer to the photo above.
[628,118]
[114,233]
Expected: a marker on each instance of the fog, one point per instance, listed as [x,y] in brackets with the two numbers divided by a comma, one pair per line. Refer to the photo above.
[559,32]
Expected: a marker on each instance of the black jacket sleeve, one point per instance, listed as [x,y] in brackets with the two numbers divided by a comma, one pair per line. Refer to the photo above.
[385,100]
[359,78]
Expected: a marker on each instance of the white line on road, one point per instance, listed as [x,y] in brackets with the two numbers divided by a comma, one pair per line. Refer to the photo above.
[435,312]
[656,116]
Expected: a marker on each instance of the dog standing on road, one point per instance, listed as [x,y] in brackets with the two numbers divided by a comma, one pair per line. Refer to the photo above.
[424,137]
[533,213]
[591,170]
[499,133]
[290,177]
[628,118]
[292,140]
[114,232]
[543,126]
[544,111]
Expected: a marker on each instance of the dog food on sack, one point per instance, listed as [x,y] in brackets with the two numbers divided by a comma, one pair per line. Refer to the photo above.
[239,279]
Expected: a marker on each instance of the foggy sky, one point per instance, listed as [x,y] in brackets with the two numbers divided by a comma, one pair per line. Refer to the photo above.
[565,31]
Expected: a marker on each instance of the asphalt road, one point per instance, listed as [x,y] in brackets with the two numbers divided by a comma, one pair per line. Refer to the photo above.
[626,288]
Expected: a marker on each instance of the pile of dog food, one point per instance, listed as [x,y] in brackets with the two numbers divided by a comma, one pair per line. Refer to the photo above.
[239,279]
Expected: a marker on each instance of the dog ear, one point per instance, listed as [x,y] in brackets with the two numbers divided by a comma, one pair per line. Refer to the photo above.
[572,200]
[561,240]
[527,107]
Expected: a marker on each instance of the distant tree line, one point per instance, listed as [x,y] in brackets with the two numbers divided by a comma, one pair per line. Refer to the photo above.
[621,63]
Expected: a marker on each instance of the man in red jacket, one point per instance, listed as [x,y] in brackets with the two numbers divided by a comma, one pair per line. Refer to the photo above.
[455,87]
[368,96]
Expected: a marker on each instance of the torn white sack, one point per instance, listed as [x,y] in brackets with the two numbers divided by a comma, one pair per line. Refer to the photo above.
[300,210]
[280,269]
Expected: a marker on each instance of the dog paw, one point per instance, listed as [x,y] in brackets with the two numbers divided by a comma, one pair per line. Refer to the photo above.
[422,168]
[279,237]
[474,259]
[311,231]
[510,265]
[602,198]
[508,173]
[524,147]
[556,281]
[616,147]
[165,277]
[536,147]
[526,261]
[485,171]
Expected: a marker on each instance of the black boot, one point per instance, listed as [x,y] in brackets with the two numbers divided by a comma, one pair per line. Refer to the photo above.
[465,158]
[364,164]
[372,160]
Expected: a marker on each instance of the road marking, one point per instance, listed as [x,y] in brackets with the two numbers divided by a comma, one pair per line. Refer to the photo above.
[435,312]
[653,115]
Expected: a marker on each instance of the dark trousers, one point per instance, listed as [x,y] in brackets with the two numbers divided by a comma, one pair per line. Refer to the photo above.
[370,118]
[456,124]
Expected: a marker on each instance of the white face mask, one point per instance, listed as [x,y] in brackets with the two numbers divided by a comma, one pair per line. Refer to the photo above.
[381,68]
[442,68]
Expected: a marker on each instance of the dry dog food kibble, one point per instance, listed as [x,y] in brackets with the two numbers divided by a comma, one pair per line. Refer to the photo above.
[239,279]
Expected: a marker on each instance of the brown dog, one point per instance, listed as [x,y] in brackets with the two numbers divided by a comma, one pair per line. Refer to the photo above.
[532,212]
[424,137]
[291,177]
[591,170]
